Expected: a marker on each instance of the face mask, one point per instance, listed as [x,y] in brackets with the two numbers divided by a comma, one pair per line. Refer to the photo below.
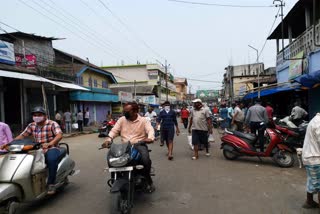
[167,108]
[38,119]
[127,115]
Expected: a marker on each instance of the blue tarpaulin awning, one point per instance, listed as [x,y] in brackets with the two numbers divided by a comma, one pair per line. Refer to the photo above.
[309,80]
[269,91]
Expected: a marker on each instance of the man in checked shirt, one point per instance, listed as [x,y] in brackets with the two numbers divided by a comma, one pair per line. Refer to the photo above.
[48,133]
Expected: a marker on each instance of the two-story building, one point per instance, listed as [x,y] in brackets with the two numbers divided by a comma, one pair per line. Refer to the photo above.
[144,80]
[298,53]
[181,89]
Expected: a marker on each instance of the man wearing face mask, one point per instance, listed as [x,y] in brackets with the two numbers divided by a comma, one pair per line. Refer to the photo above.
[49,134]
[135,129]
[200,125]
[168,120]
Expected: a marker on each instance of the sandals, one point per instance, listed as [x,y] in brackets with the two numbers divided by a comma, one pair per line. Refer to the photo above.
[194,158]
[313,205]
[170,157]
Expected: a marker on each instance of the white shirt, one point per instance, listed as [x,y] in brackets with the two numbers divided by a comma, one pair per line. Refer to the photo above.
[311,145]
[87,115]
[151,115]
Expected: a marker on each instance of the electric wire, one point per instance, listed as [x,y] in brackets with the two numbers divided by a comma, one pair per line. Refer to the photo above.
[222,5]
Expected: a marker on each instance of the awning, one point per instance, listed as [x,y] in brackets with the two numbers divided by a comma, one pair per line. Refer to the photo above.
[32,77]
[309,80]
[269,91]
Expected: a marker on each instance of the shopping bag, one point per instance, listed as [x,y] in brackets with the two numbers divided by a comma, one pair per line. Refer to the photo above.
[211,138]
[75,125]
[39,162]
[190,142]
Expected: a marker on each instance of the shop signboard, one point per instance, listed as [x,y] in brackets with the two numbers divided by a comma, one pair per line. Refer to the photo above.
[295,68]
[125,96]
[208,94]
[30,60]
[7,53]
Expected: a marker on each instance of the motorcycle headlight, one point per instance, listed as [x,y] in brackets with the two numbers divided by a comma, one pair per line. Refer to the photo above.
[119,161]
[15,148]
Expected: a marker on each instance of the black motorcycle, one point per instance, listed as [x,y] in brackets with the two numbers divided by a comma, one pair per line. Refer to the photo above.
[105,128]
[124,163]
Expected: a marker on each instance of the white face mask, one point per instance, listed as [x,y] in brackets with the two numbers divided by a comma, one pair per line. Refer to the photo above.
[167,108]
[38,119]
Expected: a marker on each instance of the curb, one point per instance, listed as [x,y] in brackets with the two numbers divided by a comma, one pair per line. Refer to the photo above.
[77,134]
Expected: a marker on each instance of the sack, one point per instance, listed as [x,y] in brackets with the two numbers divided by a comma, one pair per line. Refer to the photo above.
[39,162]
[190,142]
[75,125]
[211,138]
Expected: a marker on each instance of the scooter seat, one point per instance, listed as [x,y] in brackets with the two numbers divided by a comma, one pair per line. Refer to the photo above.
[250,137]
[63,153]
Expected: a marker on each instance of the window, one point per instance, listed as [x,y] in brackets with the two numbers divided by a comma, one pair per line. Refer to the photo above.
[90,82]
[95,83]
[104,84]
[80,80]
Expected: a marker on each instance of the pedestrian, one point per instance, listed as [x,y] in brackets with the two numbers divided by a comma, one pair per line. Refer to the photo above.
[257,119]
[311,160]
[80,121]
[5,136]
[215,109]
[67,121]
[298,114]
[223,112]
[230,114]
[238,118]
[200,127]
[109,116]
[168,120]
[185,116]
[58,118]
[86,117]
[269,110]
[151,114]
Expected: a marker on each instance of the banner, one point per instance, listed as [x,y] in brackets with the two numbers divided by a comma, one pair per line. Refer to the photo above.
[30,60]
[295,68]
[208,94]
[125,96]
[7,53]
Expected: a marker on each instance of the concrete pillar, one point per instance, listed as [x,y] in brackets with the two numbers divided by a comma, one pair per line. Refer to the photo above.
[290,34]
[54,100]
[94,113]
[2,115]
[22,104]
[278,47]
[308,17]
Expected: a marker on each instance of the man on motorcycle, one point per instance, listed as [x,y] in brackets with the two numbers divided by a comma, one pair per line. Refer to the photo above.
[49,134]
[134,129]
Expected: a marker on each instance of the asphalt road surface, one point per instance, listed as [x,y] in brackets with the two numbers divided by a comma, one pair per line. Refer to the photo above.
[184,186]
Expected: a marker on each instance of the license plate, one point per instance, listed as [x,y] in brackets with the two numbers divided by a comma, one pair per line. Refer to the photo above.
[129,168]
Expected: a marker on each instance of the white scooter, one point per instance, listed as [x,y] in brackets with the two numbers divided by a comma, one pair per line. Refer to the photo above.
[21,178]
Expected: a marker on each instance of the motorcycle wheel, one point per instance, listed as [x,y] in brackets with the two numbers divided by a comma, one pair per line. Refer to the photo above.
[9,208]
[115,203]
[283,159]
[229,155]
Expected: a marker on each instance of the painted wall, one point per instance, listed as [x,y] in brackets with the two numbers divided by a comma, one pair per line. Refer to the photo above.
[138,73]
[94,76]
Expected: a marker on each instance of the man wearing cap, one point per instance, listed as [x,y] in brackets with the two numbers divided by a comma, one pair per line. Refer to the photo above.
[168,120]
[49,134]
[257,119]
[200,124]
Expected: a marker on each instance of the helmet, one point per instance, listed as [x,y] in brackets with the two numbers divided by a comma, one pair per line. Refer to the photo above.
[39,109]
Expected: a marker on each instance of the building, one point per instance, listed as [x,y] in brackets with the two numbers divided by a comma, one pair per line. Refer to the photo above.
[181,89]
[240,79]
[28,78]
[144,80]
[298,61]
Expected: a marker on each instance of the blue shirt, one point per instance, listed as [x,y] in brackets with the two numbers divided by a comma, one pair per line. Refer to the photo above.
[167,120]
[223,113]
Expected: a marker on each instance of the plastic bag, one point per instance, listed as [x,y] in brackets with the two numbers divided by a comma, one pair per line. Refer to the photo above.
[75,125]
[39,162]
[211,138]
[190,142]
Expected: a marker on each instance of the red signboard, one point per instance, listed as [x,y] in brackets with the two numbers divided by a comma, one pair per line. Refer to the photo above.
[30,61]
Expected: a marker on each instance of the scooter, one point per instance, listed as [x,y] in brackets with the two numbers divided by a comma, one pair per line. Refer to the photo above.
[126,178]
[106,127]
[21,181]
[236,144]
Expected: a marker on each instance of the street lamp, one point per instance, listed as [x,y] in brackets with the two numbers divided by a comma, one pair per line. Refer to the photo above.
[258,69]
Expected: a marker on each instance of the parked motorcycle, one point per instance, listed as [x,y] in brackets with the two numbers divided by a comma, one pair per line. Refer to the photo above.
[236,144]
[126,177]
[106,127]
[20,181]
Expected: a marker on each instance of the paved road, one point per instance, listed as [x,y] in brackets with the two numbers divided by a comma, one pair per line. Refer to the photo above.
[208,185]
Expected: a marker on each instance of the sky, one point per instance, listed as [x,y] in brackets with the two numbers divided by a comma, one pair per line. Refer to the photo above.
[198,41]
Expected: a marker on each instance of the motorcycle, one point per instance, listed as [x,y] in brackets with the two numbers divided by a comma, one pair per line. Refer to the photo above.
[236,144]
[126,178]
[21,178]
[106,127]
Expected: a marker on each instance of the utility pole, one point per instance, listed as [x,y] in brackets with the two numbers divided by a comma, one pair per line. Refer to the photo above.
[257,51]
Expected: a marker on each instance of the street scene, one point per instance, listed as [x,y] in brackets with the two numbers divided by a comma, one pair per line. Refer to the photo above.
[166,106]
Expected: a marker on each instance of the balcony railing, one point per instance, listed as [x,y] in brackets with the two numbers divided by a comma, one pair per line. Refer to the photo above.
[303,43]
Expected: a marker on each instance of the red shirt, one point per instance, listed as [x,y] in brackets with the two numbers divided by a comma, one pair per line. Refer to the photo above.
[184,113]
[269,110]
[215,110]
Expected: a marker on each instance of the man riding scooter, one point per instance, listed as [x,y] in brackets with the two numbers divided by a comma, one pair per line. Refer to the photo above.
[49,134]
[135,129]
